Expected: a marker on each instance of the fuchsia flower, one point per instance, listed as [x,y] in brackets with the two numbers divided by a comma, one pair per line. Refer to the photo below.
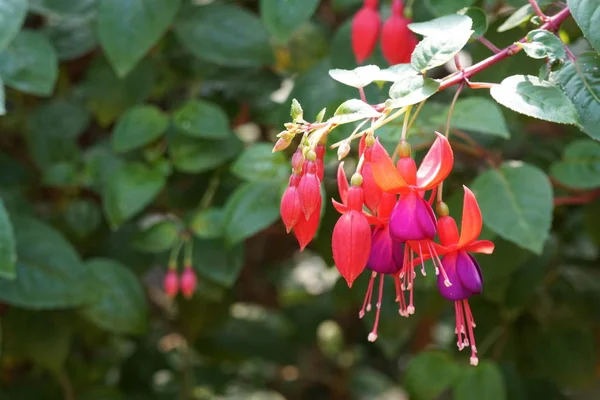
[397,41]
[365,30]
[171,283]
[188,282]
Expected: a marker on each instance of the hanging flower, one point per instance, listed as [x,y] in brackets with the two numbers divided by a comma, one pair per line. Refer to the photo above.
[188,282]
[309,187]
[171,283]
[365,30]
[397,41]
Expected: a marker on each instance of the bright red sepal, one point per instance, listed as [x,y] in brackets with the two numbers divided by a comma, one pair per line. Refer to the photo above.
[305,229]
[309,189]
[342,182]
[471,219]
[342,208]
[385,172]
[372,191]
[436,165]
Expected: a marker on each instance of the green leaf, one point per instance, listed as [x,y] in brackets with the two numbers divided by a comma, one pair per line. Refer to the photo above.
[580,165]
[138,127]
[160,236]
[83,217]
[29,64]
[250,209]
[283,17]
[442,7]
[199,155]
[541,44]
[202,119]
[224,34]
[477,114]
[517,18]
[214,260]
[439,48]
[442,25]
[121,305]
[12,15]
[428,374]
[127,29]
[2,98]
[50,273]
[482,382]
[296,111]
[358,77]
[207,223]
[528,95]
[73,37]
[580,80]
[352,111]
[479,18]
[587,16]
[396,73]
[516,203]
[129,191]
[8,247]
[411,90]
[259,163]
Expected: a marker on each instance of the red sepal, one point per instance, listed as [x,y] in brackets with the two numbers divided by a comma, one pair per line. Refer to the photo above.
[351,245]
[436,165]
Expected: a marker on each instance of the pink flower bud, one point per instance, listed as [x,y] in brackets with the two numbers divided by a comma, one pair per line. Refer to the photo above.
[365,31]
[171,283]
[397,41]
[188,282]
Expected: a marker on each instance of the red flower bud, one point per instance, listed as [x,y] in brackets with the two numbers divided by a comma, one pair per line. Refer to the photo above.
[309,189]
[297,161]
[171,283]
[305,229]
[397,41]
[320,150]
[365,31]
[188,282]
[291,209]
[351,241]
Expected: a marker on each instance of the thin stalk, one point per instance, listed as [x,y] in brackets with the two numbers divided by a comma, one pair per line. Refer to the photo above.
[538,10]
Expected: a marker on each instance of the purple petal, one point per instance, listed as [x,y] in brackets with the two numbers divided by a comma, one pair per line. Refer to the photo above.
[456,291]
[381,257]
[412,219]
[469,272]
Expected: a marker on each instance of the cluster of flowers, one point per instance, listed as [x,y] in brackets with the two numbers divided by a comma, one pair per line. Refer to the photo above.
[397,41]
[388,226]
[186,282]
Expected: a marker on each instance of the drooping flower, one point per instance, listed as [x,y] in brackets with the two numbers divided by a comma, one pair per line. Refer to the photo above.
[397,41]
[309,187]
[365,30]
[462,268]
[188,282]
[171,283]
[291,208]
[305,229]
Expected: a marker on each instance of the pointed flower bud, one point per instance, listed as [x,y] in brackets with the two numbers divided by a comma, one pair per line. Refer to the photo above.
[320,151]
[171,283]
[291,209]
[365,30]
[281,144]
[397,41]
[297,161]
[188,282]
[343,150]
[309,188]
[305,229]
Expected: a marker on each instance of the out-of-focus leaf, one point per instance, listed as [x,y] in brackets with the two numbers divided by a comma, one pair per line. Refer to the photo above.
[283,17]
[129,191]
[12,15]
[579,166]
[479,18]
[127,29]
[483,382]
[2,99]
[83,217]
[29,64]
[259,163]
[139,126]
[580,80]
[120,305]
[443,7]
[517,18]
[429,374]
[8,249]
[538,99]
[202,119]
[525,194]
[220,263]
[158,237]
[587,17]
[50,273]
[251,208]
[477,114]
[199,155]
[224,34]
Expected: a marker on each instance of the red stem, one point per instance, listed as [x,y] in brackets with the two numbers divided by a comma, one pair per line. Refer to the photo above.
[579,199]
[538,10]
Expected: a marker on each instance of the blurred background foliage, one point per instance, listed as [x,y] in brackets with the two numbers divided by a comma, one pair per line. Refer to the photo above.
[132,125]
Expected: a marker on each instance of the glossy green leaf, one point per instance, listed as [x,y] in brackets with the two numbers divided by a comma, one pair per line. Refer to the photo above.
[525,194]
[439,48]
[138,127]
[259,163]
[224,34]
[12,15]
[50,274]
[477,114]
[127,29]
[442,24]
[482,382]
[8,249]
[215,260]
[579,166]
[202,119]
[129,191]
[83,217]
[207,223]
[538,99]
[543,44]
[517,18]
[160,236]
[120,306]
[199,155]
[353,110]
[411,90]
[250,209]
[358,77]
[587,16]
[283,17]
[29,64]
[428,374]
[479,18]
[396,73]
[580,80]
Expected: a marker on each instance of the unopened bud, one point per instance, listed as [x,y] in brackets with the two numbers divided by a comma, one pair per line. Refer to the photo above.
[404,149]
[282,144]
[188,282]
[289,126]
[356,180]
[296,111]
[343,150]
[311,155]
[442,209]
[321,115]
[171,283]
[369,140]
